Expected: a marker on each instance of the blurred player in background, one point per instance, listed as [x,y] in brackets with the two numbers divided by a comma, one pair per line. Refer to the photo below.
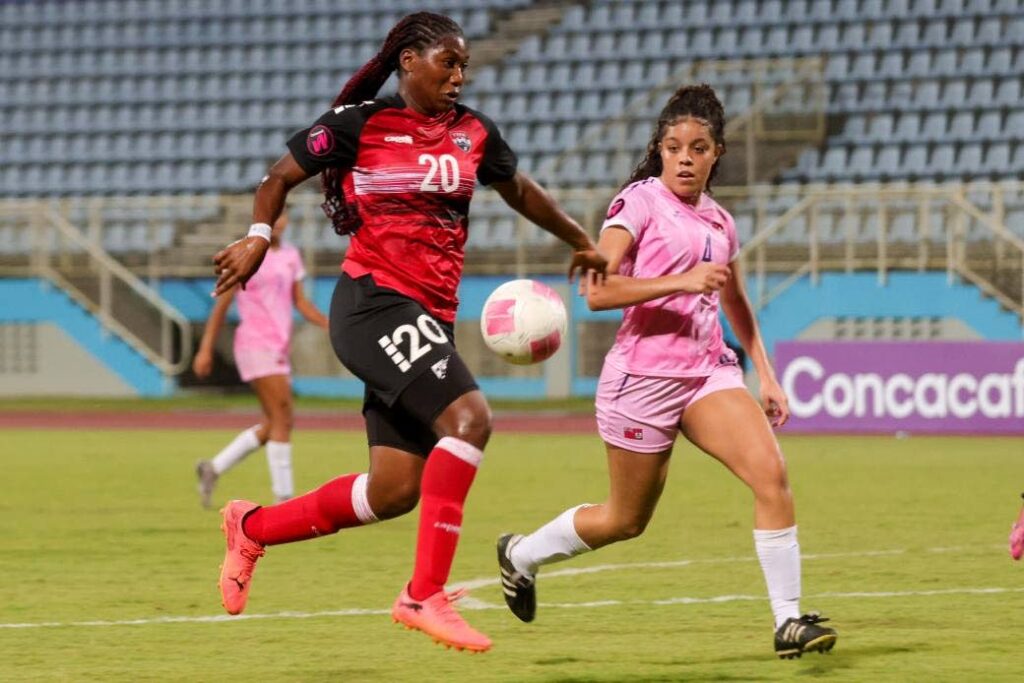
[261,350]
[398,173]
[672,260]
[1017,536]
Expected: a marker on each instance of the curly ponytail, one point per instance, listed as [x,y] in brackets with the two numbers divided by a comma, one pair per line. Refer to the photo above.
[416,31]
[696,101]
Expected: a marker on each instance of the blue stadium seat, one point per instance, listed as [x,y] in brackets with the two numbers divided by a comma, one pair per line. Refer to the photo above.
[881,126]
[969,160]
[989,125]
[915,160]
[881,35]
[1009,91]
[934,126]
[909,126]
[855,128]
[997,159]
[926,94]
[1015,124]
[941,162]
[834,163]
[962,125]
[887,164]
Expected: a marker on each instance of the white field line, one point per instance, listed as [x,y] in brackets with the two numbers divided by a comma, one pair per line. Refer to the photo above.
[476,604]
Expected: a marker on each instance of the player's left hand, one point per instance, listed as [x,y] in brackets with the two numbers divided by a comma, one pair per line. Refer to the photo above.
[774,402]
[237,262]
[587,261]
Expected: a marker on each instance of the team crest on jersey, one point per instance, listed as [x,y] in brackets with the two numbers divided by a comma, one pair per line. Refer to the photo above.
[320,141]
[615,208]
[461,140]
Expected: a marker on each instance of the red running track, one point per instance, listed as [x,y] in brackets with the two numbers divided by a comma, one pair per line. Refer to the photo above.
[540,423]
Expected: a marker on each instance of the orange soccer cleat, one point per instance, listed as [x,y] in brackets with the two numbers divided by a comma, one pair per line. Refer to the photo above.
[240,558]
[438,618]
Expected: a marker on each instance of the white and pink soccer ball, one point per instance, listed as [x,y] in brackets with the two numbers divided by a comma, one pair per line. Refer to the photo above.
[524,321]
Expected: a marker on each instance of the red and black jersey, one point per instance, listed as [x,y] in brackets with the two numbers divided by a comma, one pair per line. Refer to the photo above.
[412,178]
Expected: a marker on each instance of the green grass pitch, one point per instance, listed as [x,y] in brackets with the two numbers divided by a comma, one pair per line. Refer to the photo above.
[108,567]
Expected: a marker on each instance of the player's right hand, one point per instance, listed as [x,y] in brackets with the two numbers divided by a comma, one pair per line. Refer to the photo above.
[588,261]
[202,364]
[704,278]
[237,262]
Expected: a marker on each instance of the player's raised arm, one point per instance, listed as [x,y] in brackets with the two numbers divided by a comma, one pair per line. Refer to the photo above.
[237,262]
[619,291]
[524,195]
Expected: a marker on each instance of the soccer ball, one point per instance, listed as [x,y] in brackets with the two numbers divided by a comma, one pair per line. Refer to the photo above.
[524,321]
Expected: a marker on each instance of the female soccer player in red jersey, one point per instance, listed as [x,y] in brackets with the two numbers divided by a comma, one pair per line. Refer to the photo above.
[672,262]
[398,174]
[261,346]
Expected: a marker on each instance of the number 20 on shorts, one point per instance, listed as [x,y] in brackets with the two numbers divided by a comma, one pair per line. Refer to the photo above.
[425,327]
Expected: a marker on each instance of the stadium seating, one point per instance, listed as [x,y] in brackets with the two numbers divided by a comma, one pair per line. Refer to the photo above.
[148,97]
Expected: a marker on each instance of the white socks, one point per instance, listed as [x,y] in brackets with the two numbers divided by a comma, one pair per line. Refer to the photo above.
[360,502]
[241,446]
[555,541]
[779,553]
[279,459]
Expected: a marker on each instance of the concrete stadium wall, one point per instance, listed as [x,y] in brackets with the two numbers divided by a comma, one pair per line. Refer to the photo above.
[75,355]
[795,311]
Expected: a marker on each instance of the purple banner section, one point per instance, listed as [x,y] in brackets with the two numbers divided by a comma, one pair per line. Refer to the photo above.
[915,387]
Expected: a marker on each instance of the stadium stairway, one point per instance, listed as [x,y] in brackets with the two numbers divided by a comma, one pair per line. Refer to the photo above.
[108,365]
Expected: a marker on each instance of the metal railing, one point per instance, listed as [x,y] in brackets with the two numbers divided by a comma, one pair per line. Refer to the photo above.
[122,303]
[793,230]
[959,228]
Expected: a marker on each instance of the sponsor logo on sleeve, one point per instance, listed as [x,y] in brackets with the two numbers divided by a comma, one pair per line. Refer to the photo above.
[320,141]
[461,140]
[616,207]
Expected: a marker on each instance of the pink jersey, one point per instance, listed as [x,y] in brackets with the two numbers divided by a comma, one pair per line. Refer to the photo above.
[265,305]
[677,335]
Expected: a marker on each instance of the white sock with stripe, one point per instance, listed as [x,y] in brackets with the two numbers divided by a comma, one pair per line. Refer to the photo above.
[279,459]
[241,446]
[555,541]
[779,553]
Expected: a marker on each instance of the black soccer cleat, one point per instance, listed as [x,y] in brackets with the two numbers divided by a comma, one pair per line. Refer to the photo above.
[797,636]
[520,590]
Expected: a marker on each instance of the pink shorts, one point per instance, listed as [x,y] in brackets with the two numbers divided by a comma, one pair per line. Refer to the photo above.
[642,414]
[255,363]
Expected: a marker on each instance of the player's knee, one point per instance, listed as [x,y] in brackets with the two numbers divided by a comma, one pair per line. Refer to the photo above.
[771,487]
[398,500]
[281,424]
[628,527]
[470,423]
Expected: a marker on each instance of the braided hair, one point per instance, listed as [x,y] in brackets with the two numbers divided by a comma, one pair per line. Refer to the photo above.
[696,101]
[415,31]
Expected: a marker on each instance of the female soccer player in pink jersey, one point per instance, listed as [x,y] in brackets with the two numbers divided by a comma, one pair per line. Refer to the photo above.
[671,253]
[1017,536]
[261,349]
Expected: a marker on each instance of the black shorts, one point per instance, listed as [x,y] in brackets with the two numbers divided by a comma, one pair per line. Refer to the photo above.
[404,356]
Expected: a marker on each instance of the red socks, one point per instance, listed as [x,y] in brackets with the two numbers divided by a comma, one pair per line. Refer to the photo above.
[342,503]
[320,512]
[447,476]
